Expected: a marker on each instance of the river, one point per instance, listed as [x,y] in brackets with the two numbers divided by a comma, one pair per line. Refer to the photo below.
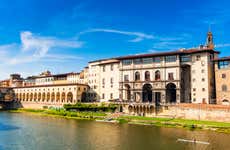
[22,131]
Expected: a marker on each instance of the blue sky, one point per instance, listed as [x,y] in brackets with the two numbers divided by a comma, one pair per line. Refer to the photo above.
[63,35]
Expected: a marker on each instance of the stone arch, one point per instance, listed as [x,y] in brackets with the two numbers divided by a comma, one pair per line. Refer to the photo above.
[31,96]
[63,97]
[137,76]
[23,96]
[130,108]
[127,92]
[147,76]
[134,109]
[58,97]
[144,109]
[27,96]
[151,109]
[70,97]
[171,93]
[35,96]
[147,93]
[157,75]
[52,97]
[43,96]
[48,97]
[39,96]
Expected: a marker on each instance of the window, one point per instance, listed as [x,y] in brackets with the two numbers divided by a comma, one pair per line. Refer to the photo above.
[111,95]
[186,58]
[203,80]
[127,62]
[111,80]
[147,60]
[223,64]
[137,76]
[198,57]
[193,79]
[170,76]
[126,78]
[103,68]
[224,88]
[203,100]
[202,71]
[223,75]
[111,67]
[157,75]
[194,89]
[157,59]
[103,96]
[103,83]
[203,89]
[147,76]
[137,61]
[170,58]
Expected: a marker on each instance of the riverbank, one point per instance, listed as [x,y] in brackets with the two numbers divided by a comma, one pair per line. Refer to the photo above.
[62,113]
[223,127]
[139,120]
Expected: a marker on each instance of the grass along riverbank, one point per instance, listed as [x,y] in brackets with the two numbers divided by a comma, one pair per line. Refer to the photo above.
[178,123]
[63,113]
[154,121]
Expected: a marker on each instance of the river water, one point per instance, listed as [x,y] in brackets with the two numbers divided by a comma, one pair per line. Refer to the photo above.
[21,131]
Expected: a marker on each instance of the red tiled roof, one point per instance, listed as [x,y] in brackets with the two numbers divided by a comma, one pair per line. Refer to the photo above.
[67,84]
[222,58]
[176,52]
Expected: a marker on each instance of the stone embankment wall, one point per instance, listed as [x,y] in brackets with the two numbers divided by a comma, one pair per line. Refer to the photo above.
[198,112]
[184,111]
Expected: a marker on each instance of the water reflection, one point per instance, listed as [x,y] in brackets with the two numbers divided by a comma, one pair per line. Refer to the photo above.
[38,132]
[5,127]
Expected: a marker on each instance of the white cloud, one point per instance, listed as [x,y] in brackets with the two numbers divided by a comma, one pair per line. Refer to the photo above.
[41,45]
[139,36]
[34,48]
[222,45]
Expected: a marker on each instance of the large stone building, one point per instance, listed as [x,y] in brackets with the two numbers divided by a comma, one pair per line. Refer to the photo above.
[222,76]
[160,78]
[181,76]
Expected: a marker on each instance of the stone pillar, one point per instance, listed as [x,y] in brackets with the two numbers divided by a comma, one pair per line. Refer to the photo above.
[153,97]
[163,97]
[178,96]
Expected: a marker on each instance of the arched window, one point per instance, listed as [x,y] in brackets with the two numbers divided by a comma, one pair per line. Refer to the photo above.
[48,97]
[137,76]
[63,97]
[147,76]
[157,75]
[58,97]
[70,97]
[224,88]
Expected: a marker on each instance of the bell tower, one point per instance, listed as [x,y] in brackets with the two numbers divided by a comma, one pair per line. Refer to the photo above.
[209,41]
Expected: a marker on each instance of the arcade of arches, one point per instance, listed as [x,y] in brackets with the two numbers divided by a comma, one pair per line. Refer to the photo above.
[51,94]
[147,94]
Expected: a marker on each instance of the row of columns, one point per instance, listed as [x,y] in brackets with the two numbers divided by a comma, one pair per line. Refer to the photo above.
[63,97]
[137,96]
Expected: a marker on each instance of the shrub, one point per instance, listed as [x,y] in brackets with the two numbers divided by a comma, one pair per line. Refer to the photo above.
[90,107]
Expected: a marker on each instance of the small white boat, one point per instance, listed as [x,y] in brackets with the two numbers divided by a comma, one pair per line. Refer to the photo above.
[113,121]
[193,141]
